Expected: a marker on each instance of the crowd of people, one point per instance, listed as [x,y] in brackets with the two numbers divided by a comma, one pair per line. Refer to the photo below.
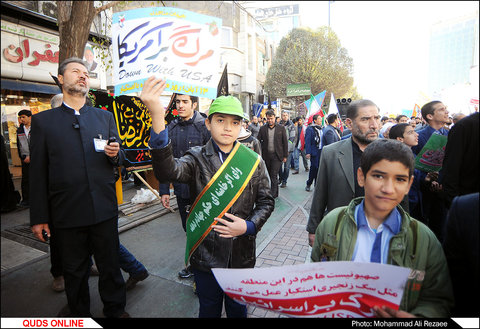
[367,192]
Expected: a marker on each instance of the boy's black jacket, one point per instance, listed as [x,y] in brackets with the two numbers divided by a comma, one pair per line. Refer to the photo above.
[255,204]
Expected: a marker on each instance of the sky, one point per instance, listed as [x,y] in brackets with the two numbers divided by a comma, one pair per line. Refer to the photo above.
[388,41]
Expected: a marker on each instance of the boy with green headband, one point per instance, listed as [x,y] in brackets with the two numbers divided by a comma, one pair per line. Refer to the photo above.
[221,168]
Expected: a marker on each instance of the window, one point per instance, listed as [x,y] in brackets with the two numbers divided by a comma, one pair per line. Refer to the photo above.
[226,37]
[229,37]
[251,54]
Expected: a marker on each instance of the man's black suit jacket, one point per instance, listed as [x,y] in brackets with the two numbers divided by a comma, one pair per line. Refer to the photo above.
[71,184]
[280,141]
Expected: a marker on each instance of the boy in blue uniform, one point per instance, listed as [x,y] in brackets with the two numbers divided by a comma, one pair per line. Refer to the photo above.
[374,229]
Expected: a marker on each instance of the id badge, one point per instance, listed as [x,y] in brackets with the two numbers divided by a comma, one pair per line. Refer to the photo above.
[99,144]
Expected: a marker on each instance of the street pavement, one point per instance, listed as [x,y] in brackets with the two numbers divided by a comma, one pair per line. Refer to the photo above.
[159,244]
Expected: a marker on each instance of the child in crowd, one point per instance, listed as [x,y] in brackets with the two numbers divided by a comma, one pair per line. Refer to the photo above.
[231,242]
[407,135]
[374,229]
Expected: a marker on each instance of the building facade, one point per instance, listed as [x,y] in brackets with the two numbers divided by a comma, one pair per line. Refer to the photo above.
[453,60]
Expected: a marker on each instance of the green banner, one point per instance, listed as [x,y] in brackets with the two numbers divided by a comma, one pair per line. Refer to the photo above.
[219,195]
[301,89]
[431,156]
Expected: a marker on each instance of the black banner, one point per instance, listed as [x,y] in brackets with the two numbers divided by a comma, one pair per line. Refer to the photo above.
[133,123]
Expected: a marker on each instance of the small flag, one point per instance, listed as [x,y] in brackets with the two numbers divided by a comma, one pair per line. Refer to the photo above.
[314,106]
[222,88]
[332,108]
[416,110]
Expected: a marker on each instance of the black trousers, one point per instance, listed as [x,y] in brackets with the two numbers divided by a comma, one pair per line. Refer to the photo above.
[182,209]
[434,213]
[76,245]
[25,184]
[56,267]
[273,165]
[312,175]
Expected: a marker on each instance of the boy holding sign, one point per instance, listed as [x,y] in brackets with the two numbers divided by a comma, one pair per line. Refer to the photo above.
[374,229]
[231,189]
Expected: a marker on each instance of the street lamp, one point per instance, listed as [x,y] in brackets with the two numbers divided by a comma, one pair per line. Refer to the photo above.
[329,2]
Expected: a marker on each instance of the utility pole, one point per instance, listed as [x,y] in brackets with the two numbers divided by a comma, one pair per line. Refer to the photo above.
[329,2]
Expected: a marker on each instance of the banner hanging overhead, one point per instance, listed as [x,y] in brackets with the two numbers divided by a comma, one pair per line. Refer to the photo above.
[170,43]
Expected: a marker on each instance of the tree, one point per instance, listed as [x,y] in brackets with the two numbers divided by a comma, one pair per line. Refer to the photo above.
[314,57]
[74,20]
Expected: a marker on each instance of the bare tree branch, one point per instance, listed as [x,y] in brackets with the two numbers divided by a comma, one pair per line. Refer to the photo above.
[105,7]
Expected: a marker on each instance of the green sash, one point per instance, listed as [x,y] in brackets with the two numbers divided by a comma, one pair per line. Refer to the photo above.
[219,194]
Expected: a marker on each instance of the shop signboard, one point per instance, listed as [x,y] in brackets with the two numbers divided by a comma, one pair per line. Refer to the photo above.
[31,54]
[300,89]
[275,12]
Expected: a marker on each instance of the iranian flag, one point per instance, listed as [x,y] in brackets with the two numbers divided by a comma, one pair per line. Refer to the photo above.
[314,106]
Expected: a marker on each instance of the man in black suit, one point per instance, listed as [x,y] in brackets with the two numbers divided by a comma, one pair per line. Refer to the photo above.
[73,188]
[459,174]
[273,138]
[461,247]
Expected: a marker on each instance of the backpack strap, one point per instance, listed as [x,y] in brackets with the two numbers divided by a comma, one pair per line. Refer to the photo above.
[414,228]
[339,221]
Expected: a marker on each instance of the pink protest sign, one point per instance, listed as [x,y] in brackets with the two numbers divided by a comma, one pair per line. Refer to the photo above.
[326,289]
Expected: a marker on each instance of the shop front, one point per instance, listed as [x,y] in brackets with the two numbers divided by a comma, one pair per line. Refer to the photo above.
[29,58]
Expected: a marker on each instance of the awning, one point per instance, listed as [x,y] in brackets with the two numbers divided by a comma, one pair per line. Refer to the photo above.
[34,87]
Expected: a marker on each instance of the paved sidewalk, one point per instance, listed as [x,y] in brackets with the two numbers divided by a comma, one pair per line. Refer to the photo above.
[289,246]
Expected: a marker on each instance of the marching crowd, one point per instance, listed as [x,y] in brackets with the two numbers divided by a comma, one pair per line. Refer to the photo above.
[369,204]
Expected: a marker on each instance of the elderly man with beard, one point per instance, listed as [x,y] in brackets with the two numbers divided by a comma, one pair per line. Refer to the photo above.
[337,173]
[73,158]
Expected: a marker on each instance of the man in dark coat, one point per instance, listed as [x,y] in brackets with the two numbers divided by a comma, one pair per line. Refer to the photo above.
[459,174]
[273,138]
[313,148]
[10,197]
[23,143]
[73,189]
[461,247]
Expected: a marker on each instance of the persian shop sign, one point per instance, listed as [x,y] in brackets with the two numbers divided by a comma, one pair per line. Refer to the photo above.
[170,43]
[28,53]
[301,89]
[282,11]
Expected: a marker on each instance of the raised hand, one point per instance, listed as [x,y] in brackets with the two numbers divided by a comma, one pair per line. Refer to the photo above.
[150,96]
